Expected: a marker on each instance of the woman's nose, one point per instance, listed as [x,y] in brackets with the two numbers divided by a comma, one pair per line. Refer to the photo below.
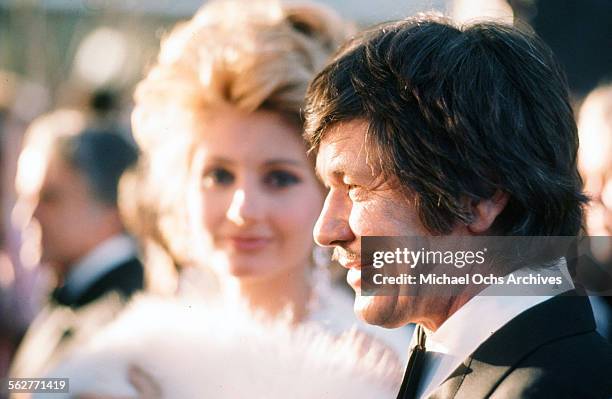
[247,205]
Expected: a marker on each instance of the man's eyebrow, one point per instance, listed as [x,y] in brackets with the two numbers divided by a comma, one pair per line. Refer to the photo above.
[318,174]
[338,171]
[337,174]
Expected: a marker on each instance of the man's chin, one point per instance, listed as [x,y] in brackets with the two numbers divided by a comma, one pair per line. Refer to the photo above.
[377,310]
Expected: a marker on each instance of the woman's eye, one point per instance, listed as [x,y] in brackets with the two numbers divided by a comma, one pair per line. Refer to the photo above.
[217,176]
[281,179]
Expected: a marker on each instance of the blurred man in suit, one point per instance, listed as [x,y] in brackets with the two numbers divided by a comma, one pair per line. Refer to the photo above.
[595,165]
[425,129]
[82,238]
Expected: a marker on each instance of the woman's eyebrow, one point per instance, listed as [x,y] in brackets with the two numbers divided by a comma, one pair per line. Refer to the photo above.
[216,159]
[283,161]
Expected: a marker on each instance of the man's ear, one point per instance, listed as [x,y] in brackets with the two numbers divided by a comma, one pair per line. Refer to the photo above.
[485,211]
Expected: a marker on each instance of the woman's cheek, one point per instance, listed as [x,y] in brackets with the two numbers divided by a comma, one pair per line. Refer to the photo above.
[212,211]
[306,210]
[293,219]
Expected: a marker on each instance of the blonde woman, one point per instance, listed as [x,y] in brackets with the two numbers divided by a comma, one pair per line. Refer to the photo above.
[226,175]
[232,191]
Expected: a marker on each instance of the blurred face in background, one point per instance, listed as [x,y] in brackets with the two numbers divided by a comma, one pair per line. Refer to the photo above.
[594,161]
[254,197]
[70,218]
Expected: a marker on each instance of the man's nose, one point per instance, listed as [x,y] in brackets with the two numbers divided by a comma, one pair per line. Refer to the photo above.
[332,227]
[247,205]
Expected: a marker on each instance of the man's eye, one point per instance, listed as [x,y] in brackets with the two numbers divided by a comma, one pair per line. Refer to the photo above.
[217,176]
[280,179]
[355,192]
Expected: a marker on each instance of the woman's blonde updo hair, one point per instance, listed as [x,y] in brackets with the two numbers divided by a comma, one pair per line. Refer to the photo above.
[251,55]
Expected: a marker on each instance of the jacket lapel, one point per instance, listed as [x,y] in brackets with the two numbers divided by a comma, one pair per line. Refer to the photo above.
[479,375]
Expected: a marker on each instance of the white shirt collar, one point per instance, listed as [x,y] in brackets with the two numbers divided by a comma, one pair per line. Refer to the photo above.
[99,261]
[462,333]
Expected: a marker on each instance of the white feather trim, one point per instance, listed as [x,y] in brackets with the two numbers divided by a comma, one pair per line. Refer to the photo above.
[195,351]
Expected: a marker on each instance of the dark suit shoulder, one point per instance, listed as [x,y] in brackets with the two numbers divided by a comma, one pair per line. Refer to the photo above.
[549,351]
[125,279]
[578,366]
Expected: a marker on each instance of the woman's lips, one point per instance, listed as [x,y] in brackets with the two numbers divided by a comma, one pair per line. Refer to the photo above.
[248,244]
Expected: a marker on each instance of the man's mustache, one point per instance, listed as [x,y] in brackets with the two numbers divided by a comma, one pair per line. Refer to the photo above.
[344,255]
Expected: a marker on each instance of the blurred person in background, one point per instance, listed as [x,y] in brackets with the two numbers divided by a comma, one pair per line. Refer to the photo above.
[68,175]
[108,110]
[20,101]
[226,178]
[595,163]
[6,273]
[595,160]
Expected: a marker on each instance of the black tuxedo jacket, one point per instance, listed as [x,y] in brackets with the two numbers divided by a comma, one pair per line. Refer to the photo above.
[65,324]
[549,351]
[125,279]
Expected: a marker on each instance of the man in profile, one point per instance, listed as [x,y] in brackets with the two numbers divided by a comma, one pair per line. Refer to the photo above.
[82,239]
[424,129]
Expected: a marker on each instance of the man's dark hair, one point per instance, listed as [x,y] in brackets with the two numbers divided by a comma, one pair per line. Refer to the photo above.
[460,113]
[101,156]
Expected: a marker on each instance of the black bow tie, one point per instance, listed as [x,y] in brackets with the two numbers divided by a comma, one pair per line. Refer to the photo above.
[60,296]
[410,383]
